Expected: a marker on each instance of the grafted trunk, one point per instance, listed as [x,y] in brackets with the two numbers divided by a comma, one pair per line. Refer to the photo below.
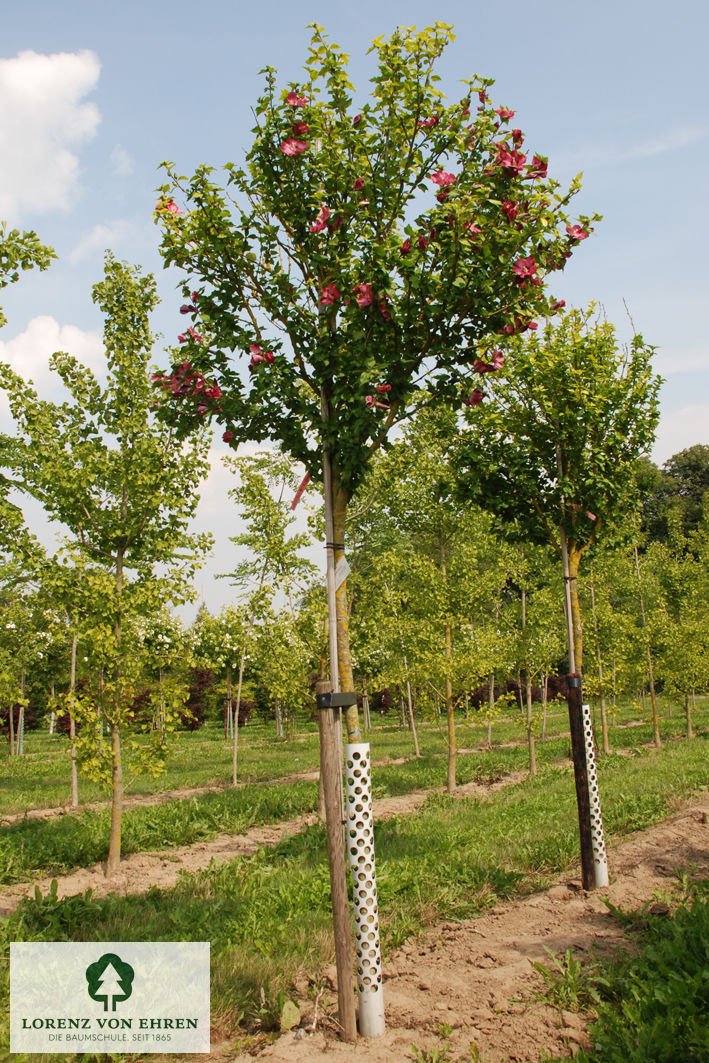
[344,657]
[576,626]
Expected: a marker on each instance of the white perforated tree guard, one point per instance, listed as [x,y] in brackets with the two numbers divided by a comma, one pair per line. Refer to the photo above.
[600,864]
[359,829]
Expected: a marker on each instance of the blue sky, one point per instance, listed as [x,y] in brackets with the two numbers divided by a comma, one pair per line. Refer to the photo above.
[616,90]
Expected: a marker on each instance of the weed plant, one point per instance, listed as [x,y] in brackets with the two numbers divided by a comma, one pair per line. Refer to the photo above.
[652,1005]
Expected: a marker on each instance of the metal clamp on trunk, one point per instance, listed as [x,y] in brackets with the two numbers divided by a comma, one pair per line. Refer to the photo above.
[336,701]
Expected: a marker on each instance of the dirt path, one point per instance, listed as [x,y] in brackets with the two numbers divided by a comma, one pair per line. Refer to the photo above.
[142,870]
[475,977]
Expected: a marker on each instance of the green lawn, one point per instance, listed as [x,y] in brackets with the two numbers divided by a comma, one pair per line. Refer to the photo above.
[267,915]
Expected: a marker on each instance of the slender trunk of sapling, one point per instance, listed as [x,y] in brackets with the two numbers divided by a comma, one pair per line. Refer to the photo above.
[11,712]
[114,845]
[650,665]
[688,715]
[450,708]
[412,720]
[545,703]
[72,724]
[599,662]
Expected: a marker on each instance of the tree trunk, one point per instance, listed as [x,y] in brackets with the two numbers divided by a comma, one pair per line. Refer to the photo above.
[11,712]
[344,657]
[21,718]
[52,716]
[412,720]
[72,724]
[650,668]
[688,715]
[237,710]
[545,704]
[114,845]
[450,708]
[574,559]
[490,707]
[530,726]
[599,662]
[365,711]
[279,719]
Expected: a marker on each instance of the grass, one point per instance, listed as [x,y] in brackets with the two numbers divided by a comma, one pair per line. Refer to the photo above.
[32,847]
[650,1004]
[267,915]
[40,778]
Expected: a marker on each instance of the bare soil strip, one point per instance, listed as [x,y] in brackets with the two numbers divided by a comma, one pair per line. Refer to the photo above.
[476,978]
[140,871]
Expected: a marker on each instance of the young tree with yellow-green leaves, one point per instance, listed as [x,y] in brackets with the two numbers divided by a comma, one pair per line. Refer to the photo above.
[104,466]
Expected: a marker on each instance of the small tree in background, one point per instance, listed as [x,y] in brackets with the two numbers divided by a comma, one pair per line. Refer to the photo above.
[103,466]
[555,448]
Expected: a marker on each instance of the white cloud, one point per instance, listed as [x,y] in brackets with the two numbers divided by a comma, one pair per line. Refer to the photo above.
[109,235]
[613,154]
[121,161]
[671,360]
[681,429]
[42,119]
[29,352]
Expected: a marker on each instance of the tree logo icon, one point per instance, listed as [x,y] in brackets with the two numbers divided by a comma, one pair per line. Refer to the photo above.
[110,979]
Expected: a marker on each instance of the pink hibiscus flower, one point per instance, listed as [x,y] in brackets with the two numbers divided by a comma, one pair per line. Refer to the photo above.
[474,398]
[525,267]
[512,162]
[428,123]
[294,147]
[228,436]
[443,178]
[510,209]
[538,168]
[405,247]
[504,113]
[365,295]
[329,295]
[294,100]
[359,183]
[300,129]
[320,222]
[576,232]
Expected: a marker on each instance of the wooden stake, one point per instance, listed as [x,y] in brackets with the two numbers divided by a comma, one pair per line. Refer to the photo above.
[331,775]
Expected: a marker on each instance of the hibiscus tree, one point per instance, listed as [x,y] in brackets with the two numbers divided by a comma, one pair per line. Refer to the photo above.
[369,249]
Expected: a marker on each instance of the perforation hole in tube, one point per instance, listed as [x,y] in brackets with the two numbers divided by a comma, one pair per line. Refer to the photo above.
[594,797]
[358,787]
